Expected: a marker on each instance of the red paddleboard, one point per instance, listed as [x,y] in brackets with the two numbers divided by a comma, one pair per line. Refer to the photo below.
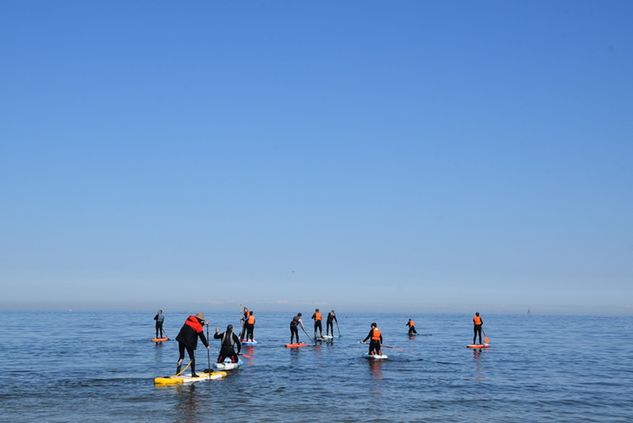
[160,339]
[302,344]
[478,346]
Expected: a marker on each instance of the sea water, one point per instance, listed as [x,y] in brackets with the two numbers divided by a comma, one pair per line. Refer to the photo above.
[99,367]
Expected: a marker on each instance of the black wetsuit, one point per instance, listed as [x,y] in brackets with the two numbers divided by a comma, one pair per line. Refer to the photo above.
[329,326]
[160,318]
[188,340]
[317,325]
[250,328]
[477,331]
[227,349]
[374,346]
[294,328]
[244,320]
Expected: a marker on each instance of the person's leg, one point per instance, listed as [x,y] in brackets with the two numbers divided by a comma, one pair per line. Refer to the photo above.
[181,356]
[234,358]
[192,357]
[413,329]
[320,328]
[249,333]
[474,334]
[479,333]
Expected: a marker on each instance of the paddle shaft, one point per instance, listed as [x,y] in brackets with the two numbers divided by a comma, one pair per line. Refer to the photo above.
[339,329]
[208,351]
[309,337]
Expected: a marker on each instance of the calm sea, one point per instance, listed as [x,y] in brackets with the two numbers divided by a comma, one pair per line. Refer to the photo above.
[99,367]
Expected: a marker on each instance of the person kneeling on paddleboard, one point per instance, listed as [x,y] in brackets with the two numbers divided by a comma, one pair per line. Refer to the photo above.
[329,325]
[478,323]
[227,349]
[411,325]
[188,339]
[294,327]
[160,319]
[375,338]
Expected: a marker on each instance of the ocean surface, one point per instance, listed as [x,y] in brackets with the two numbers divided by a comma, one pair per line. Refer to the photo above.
[99,367]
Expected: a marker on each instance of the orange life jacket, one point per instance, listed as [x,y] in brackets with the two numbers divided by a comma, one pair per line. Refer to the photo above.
[317,315]
[251,320]
[411,323]
[375,335]
[477,320]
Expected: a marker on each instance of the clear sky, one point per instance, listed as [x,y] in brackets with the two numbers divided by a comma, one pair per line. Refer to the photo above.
[366,155]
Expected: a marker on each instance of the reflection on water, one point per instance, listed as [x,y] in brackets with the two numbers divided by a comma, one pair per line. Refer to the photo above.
[187,403]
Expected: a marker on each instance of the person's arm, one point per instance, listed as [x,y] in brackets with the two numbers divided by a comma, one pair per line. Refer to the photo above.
[204,339]
[313,316]
[218,335]
[156,317]
[381,338]
[237,342]
[368,335]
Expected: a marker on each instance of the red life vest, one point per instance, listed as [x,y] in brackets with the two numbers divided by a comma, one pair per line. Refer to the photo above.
[317,315]
[477,320]
[194,323]
[251,320]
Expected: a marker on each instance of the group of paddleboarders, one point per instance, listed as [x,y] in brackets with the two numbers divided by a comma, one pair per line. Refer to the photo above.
[231,344]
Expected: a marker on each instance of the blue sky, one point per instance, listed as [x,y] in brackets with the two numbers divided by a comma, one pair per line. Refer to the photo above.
[431,156]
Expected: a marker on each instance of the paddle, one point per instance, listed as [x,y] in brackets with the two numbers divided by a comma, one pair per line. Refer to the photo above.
[486,339]
[309,337]
[208,350]
[339,329]
[393,348]
[186,367]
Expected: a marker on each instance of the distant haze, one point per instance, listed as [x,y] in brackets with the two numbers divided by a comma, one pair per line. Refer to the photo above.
[423,156]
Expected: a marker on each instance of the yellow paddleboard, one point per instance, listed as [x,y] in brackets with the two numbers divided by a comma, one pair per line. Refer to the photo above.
[177,380]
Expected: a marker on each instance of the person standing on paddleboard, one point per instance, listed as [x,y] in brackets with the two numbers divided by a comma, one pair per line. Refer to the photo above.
[411,325]
[316,316]
[294,327]
[329,325]
[187,339]
[243,322]
[375,340]
[160,319]
[227,345]
[249,326]
[478,324]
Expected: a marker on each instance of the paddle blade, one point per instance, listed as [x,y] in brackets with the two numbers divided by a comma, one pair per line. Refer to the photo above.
[486,340]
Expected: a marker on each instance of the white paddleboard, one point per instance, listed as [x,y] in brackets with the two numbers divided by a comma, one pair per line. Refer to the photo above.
[375,356]
[228,365]
[253,342]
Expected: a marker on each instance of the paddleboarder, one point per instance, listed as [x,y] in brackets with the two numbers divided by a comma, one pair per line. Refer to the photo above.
[294,327]
[329,325]
[249,325]
[375,340]
[187,339]
[478,323]
[160,319]
[228,343]
[316,316]
[411,325]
